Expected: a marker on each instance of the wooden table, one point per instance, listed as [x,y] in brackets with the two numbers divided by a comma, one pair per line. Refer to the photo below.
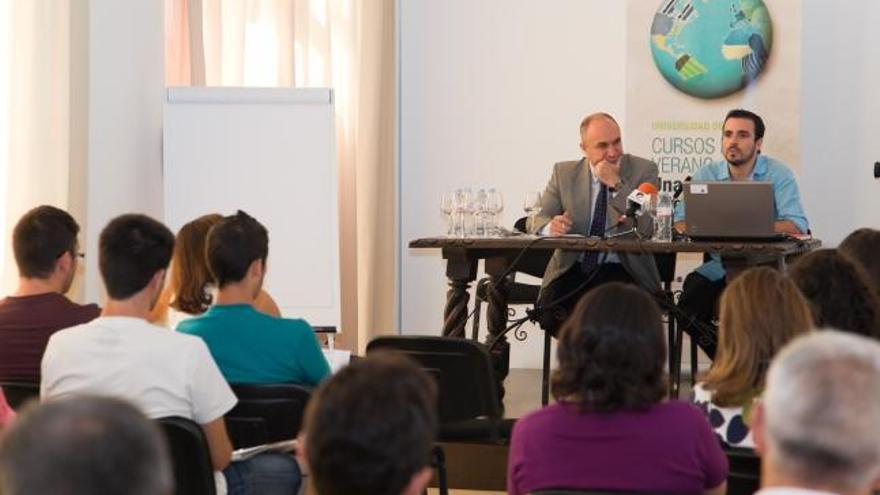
[462,256]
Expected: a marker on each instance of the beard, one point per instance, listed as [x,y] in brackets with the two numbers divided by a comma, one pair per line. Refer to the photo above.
[740,158]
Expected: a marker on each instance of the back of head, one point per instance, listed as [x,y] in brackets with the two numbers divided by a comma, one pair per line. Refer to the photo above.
[133,248]
[761,310]
[863,246]
[370,428]
[84,445]
[40,237]
[839,293]
[190,275]
[612,351]
[233,244]
[821,407]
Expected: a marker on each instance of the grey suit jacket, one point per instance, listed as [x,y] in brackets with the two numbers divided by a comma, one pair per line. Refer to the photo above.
[569,190]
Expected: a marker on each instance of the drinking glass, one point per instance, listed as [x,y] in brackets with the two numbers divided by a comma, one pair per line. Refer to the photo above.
[495,207]
[532,205]
[463,209]
[446,207]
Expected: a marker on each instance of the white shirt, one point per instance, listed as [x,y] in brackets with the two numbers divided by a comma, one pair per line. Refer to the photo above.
[162,372]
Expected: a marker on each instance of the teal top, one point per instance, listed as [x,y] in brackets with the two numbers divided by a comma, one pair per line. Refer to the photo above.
[253,347]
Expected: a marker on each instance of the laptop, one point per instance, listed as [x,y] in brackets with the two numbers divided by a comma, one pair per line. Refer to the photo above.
[730,211]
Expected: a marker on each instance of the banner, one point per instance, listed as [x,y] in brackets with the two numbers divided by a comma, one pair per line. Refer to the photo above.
[691,61]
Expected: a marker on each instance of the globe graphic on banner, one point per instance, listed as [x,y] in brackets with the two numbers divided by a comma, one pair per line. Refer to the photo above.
[711,48]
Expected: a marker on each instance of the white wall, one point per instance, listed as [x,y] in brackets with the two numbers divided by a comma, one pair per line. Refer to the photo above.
[491,94]
[125,87]
[841,116]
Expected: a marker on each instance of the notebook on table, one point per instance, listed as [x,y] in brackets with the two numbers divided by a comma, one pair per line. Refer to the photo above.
[730,211]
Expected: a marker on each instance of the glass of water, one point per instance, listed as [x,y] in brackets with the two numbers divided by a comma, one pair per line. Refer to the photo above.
[446,208]
[532,205]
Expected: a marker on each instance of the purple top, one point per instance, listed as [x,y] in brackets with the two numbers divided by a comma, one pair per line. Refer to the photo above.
[667,448]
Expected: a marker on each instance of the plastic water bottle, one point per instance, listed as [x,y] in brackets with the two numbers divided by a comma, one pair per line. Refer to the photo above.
[663,218]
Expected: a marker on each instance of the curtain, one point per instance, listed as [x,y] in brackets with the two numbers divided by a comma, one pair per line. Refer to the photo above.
[34,114]
[347,45]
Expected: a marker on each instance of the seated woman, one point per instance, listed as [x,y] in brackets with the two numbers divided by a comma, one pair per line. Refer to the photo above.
[190,287]
[760,311]
[862,246]
[610,428]
[839,292]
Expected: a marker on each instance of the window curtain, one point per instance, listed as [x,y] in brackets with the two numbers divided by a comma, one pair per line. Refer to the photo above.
[344,44]
[35,152]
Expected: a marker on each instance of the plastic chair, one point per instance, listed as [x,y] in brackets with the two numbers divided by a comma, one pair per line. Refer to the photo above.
[469,407]
[190,456]
[266,413]
[18,393]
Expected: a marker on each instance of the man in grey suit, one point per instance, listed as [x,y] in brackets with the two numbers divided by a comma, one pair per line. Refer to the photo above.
[588,197]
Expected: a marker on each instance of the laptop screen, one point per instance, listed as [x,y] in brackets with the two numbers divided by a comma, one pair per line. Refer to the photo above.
[729,210]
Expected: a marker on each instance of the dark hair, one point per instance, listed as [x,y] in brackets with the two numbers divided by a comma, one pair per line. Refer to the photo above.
[233,244]
[612,351]
[745,114]
[839,293]
[84,445]
[371,427]
[40,237]
[190,275]
[133,248]
[863,246]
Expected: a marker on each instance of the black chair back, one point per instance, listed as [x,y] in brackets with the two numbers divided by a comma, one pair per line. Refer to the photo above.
[462,369]
[744,477]
[17,393]
[190,456]
[266,413]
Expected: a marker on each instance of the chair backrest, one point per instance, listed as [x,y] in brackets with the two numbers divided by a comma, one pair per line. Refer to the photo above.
[190,456]
[462,369]
[744,477]
[266,413]
[17,393]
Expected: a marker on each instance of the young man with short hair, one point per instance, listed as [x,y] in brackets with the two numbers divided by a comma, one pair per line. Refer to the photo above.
[250,346]
[164,373]
[46,253]
[370,429]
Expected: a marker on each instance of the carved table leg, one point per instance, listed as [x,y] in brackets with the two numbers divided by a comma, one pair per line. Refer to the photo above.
[461,271]
[496,315]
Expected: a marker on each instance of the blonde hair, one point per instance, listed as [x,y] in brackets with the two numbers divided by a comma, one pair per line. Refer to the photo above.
[761,310]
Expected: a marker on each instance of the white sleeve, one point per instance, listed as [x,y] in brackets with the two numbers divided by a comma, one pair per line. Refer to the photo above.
[211,395]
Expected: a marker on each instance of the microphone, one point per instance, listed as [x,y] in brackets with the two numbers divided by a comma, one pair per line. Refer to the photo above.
[639,198]
[679,188]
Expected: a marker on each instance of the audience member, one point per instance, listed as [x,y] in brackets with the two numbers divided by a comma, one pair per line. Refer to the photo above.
[839,292]
[761,310]
[190,288]
[863,246]
[85,445]
[46,252]
[370,429]
[816,427]
[249,346]
[164,373]
[610,428]
[6,412]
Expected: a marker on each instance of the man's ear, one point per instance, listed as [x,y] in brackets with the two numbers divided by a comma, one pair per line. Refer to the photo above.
[758,143]
[418,482]
[759,427]
[64,263]
[256,269]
